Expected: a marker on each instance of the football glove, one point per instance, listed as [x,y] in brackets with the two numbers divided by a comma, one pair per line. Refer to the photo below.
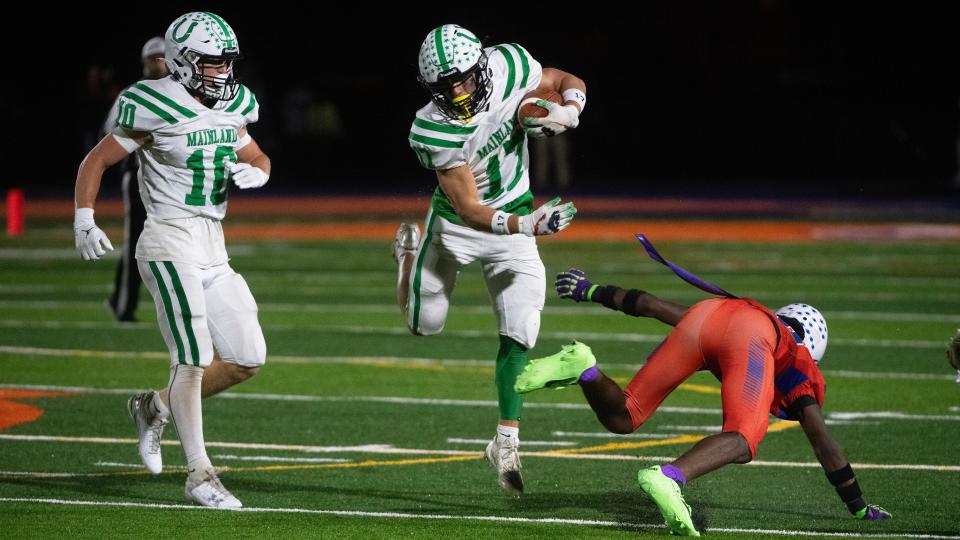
[550,218]
[91,242]
[247,176]
[573,284]
[559,118]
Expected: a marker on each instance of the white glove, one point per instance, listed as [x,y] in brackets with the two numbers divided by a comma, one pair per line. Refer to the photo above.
[247,176]
[559,118]
[550,218]
[91,242]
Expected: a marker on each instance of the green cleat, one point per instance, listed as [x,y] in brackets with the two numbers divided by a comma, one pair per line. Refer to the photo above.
[557,370]
[666,494]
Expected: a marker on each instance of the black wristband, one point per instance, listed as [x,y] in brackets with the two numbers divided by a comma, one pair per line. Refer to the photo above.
[604,295]
[630,302]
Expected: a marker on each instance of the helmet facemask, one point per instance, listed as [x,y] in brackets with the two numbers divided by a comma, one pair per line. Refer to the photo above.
[222,86]
[475,86]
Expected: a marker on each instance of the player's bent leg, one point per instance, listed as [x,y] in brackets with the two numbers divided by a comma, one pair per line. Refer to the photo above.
[235,330]
[181,314]
[222,375]
[712,453]
[431,287]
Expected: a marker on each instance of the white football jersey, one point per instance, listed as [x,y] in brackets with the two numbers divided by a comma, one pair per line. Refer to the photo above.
[492,143]
[183,169]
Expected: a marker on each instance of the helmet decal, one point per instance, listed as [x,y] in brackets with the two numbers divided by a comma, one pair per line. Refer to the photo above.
[814,326]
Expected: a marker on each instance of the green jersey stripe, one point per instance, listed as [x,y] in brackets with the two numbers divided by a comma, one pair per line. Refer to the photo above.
[165,100]
[149,105]
[452,130]
[168,308]
[442,143]
[237,102]
[438,41]
[184,310]
[511,70]
[251,105]
[524,64]
[418,275]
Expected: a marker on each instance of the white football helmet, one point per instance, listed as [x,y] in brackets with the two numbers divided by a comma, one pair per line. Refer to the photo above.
[201,38]
[812,333]
[452,56]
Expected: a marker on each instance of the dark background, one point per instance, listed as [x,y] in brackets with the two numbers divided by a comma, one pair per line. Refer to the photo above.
[714,99]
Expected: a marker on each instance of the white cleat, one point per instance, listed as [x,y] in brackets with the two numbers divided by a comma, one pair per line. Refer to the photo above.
[205,489]
[502,454]
[150,424]
[406,241]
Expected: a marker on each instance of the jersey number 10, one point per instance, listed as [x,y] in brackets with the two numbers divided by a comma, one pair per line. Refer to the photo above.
[219,192]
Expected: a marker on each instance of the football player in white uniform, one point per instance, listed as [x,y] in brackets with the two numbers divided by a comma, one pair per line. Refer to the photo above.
[190,133]
[483,208]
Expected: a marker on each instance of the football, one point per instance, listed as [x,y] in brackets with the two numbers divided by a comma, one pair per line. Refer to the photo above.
[529,108]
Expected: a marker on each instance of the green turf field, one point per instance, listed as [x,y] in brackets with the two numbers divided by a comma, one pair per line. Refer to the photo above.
[355,429]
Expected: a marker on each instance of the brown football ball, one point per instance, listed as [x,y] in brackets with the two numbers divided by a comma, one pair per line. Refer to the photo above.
[532,110]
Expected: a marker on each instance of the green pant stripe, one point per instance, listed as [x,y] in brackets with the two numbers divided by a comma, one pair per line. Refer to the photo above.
[236,103]
[511,70]
[184,310]
[165,100]
[168,308]
[524,64]
[153,107]
[419,272]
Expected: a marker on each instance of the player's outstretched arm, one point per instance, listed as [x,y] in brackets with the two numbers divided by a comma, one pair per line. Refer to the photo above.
[835,465]
[91,242]
[460,187]
[575,285]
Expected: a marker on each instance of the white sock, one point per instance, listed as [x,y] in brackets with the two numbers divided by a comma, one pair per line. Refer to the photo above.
[184,395]
[506,432]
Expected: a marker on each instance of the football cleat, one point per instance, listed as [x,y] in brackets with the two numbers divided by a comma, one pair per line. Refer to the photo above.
[665,493]
[205,489]
[557,370]
[502,455]
[406,241]
[150,424]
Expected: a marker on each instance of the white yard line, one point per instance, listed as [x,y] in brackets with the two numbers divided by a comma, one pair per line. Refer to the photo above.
[452,517]
[620,337]
[397,400]
[386,449]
